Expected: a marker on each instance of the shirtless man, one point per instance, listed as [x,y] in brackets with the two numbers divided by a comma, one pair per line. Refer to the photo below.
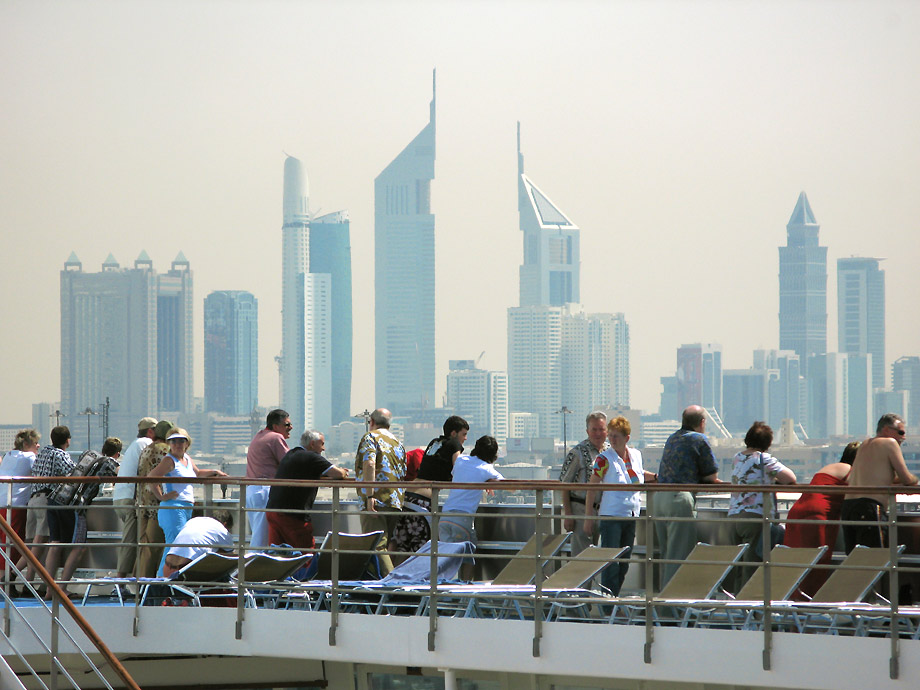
[878,462]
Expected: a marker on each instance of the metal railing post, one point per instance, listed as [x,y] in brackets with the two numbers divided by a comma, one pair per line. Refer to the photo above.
[893,586]
[334,604]
[241,557]
[538,573]
[53,660]
[649,574]
[433,581]
[766,546]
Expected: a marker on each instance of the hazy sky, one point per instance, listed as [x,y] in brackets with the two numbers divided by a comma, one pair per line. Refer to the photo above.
[677,135]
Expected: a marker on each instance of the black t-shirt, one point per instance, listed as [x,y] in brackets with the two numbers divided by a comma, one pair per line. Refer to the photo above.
[298,463]
[437,465]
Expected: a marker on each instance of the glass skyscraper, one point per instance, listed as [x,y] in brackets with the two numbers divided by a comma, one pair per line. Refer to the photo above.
[231,362]
[126,335]
[861,312]
[330,253]
[404,275]
[803,286]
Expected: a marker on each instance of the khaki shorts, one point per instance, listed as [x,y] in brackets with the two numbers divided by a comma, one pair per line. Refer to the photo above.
[37,519]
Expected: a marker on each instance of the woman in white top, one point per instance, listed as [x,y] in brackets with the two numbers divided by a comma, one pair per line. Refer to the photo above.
[18,463]
[456,522]
[616,465]
[176,503]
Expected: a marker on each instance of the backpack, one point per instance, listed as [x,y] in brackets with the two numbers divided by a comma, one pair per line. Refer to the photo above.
[90,464]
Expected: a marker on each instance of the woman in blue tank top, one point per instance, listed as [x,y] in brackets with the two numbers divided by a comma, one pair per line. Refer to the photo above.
[177,500]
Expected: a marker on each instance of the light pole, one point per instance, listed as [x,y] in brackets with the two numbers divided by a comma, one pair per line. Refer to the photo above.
[565,448]
[88,412]
[366,416]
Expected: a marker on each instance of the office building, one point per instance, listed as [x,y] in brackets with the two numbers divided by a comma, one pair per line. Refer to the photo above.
[699,376]
[861,312]
[231,364]
[803,286]
[787,391]
[307,302]
[595,360]
[840,395]
[745,397]
[404,265]
[126,336]
[548,281]
[480,397]
[330,253]
[905,375]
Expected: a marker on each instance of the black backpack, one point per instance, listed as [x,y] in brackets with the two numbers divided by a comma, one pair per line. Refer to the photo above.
[90,464]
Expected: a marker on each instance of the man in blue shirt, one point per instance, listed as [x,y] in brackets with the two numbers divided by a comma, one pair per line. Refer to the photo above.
[687,459]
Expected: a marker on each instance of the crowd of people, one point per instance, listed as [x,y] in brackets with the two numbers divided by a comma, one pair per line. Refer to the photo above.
[160,536]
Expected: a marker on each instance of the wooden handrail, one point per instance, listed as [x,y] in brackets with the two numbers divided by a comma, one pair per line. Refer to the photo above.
[84,625]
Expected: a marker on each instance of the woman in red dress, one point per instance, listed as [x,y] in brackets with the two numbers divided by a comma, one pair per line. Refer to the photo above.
[818,506]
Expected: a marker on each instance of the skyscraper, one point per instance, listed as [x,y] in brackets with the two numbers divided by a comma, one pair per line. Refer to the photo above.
[803,286]
[295,260]
[306,309]
[330,253]
[548,339]
[231,365]
[125,335]
[861,312]
[595,360]
[174,337]
[905,374]
[404,275]
[480,397]
[699,376]
[550,272]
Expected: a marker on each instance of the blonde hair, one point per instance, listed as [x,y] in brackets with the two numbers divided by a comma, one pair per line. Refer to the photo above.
[26,437]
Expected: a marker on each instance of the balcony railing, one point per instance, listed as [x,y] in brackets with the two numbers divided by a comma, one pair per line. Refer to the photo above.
[504,527]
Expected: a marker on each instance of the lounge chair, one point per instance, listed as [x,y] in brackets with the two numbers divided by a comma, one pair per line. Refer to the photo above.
[696,581]
[788,567]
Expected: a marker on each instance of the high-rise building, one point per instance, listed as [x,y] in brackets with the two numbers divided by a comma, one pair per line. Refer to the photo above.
[330,253]
[295,261]
[479,396]
[549,280]
[840,395]
[803,286]
[307,306]
[787,391]
[861,312]
[126,335]
[535,366]
[745,397]
[550,273]
[231,363]
[174,337]
[595,360]
[905,374]
[404,261]
[699,376]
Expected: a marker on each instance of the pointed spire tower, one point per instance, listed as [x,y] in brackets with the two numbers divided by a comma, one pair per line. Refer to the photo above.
[803,286]
[404,266]
[550,272]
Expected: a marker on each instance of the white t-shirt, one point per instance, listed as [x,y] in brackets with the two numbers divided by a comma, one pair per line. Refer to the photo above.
[469,469]
[16,463]
[128,467]
[205,534]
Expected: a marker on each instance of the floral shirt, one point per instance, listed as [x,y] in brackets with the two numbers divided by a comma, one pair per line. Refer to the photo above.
[756,468]
[686,459]
[150,458]
[389,456]
[578,465]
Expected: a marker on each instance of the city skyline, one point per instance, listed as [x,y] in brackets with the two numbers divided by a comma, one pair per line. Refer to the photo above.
[686,137]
